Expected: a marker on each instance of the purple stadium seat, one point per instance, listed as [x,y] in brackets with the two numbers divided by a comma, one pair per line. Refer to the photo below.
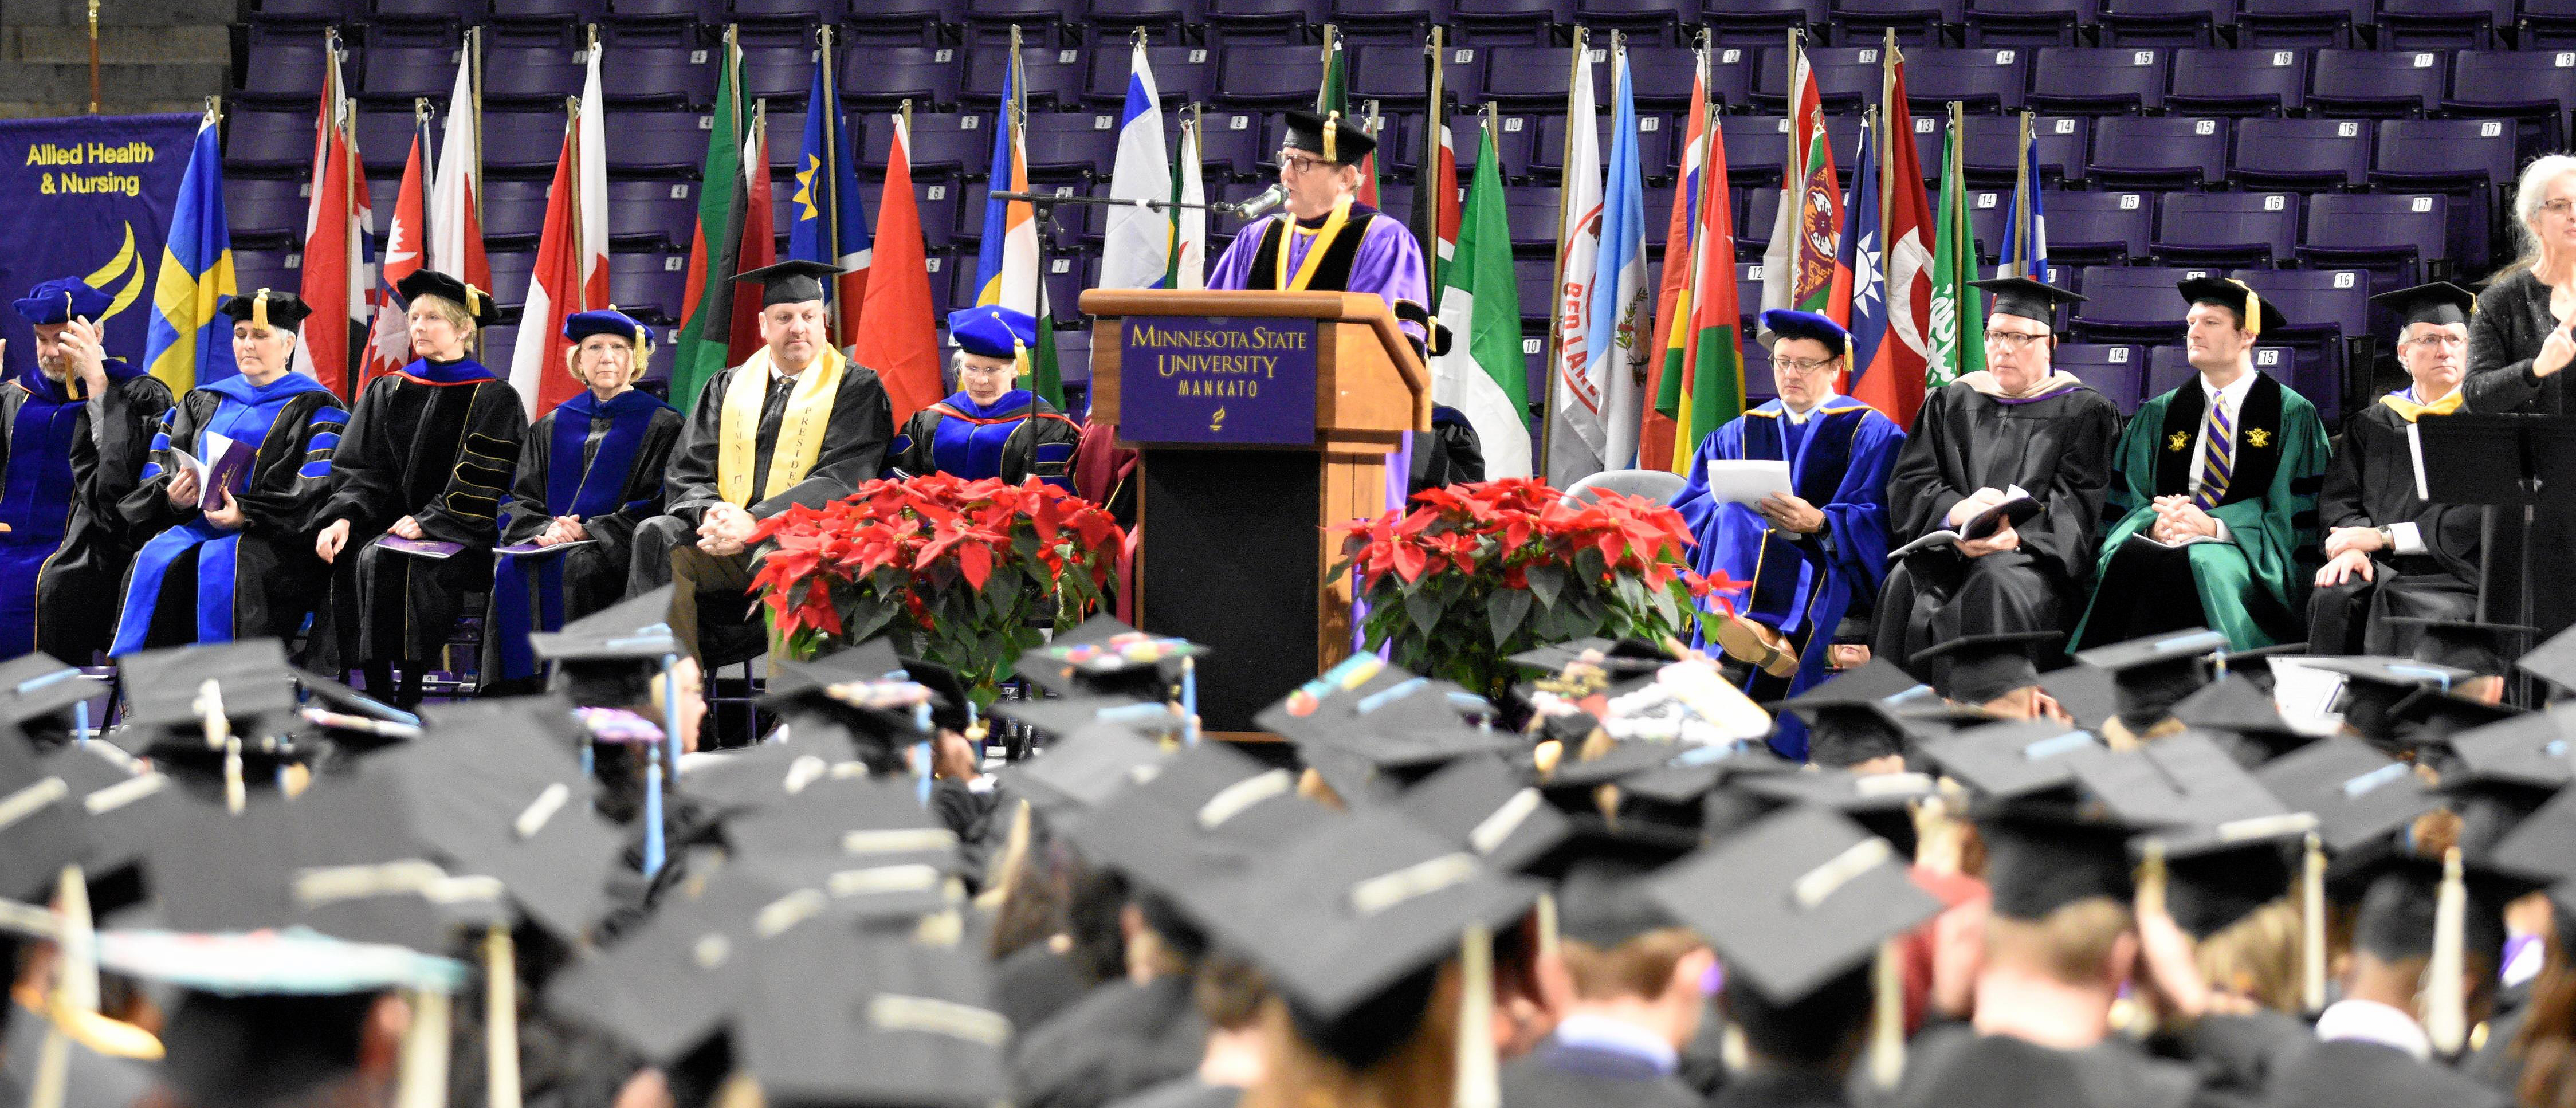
[2168,366]
[1395,76]
[650,284]
[301,11]
[512,270]
[903,22]
[2442,24]
[784,14]
[1071,145]
[660,215]
[1269,76]
[1916,22]
[1526,21]
[938,200]
[785,131]
[384,139]
[2404,236]
[287,74]
[1528,78]
[1533,278]
[659,76]
[399,74]
[514,213]
[2335,301]
[960,288]
[2226,228]
[2109,228]
[2536,87]
[1038,20]
[2313,23]
[2548,24]
[2099,80]
[1230,145]
[1846,76]
[2117,371]
[1240,18]
[1534,219]
[1757,22]
[1984,80]
[2169,23]
[535,76]
[2302,154]
[563,12]
[940,264]
[1390,22]
[1987,211]
[1654,146]
[2028,22]
[265,213]
[1757,147]
[1514,138]
[942,142]
[1663,76]
[784,75]
[1753,229]
[2415,152]
[1119,15]
[782,206]
[2238,82]
[1748,293]
[254,270]
[1990,147]
[268,141]
[2159,151]
[2133,304]
[1182,75]
[1055,76]
[883,77]
[631,12]
[527,142]
[1066,276]
[2372,83]
[1759,386]
[658,142]
[1644,20]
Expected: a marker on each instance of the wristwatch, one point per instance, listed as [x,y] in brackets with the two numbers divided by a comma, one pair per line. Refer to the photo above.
[2387,537]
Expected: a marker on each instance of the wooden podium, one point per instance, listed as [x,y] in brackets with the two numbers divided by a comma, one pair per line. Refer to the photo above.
[1236,483]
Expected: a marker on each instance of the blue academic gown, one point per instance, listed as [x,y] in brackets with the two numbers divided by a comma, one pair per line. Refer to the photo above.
[612,481]
[1800,585]
[1017,436]
[66,544]
[263,578]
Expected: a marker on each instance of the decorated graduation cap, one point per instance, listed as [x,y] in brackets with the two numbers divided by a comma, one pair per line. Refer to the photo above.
[2440,303]
[1790,323]
[2024,297]
[2484,649]
[268,308]
[2253,313]
[1983,667]
[794,281]
[2150,675]
[62,300]
[1334,138]
[606,321]
[1104,655]
[430,282]
[992,331]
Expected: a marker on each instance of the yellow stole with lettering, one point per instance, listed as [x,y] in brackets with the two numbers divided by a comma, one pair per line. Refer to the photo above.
[800,431]
[1324,237]
[2409,409]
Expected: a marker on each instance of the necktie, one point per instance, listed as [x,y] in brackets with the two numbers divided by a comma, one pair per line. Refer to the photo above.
[2218,460]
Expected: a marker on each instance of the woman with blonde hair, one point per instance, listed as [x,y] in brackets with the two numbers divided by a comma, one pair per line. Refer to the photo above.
[2518,337]
[589,472]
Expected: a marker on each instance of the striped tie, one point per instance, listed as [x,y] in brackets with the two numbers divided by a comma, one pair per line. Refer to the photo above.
[2218,462]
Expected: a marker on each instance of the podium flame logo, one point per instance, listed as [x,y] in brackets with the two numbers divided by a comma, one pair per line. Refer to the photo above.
[1216,422]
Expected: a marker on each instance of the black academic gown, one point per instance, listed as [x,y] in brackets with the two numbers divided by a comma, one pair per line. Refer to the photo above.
[437,442]
[1036,983]
[2350,1073]
[2372,484]
[70,459]
[602,462]
[1121,1038]
[1017,436]
[1184,1092]
[2058,448]
[1953,1065]
[1560,1074]
[1780,1089]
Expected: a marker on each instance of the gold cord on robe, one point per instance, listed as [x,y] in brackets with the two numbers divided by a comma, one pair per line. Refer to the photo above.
[800,431]
[1324,237]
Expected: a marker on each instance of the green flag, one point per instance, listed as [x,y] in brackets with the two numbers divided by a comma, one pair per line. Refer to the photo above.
[1482,375]
[1334,94]
[1046,379]
[706,316]
[1958,331]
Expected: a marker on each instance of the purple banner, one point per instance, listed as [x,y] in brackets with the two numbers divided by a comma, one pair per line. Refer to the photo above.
[1216,380]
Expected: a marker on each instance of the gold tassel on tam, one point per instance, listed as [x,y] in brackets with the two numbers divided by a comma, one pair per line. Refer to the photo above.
[1887,1016]
[500,1018]
[1478,1082]
[2446,1019]
[2312,925]
[423,1079]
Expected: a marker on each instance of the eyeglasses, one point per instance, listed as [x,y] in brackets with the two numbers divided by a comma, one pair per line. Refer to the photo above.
[1804,365]
[2558,208]
[1295,163]
[2013,340]
[2437,338]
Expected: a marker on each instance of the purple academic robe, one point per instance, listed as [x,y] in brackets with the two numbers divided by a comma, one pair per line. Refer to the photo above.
[1388,261]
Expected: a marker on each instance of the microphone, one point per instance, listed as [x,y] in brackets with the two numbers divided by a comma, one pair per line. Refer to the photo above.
[1269,198]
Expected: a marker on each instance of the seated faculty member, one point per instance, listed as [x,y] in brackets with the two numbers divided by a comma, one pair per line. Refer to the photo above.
[990,427]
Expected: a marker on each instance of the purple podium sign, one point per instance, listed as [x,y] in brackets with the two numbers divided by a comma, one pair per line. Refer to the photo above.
[1228,381]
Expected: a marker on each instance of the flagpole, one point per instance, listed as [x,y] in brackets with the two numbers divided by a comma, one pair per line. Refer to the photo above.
[344,131]
[2021,199]
[473,45]
[1426,188]
[1886,134]
[1331,35]
[1556,285]
[831,169]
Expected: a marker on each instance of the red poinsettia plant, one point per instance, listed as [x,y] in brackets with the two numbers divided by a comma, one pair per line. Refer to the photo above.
[957,572]
[1473,574]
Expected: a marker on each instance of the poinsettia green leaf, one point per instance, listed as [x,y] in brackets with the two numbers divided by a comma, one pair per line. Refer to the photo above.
[1506,610]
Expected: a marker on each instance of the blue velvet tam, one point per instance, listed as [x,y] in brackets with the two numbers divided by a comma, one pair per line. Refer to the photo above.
[606,321]
[1789,323]
[63,298]
[992,331]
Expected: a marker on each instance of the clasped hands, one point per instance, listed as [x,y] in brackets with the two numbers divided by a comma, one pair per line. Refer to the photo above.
[2348,551]
[183,492]
[1789,512]
[2179,520]
[726,530]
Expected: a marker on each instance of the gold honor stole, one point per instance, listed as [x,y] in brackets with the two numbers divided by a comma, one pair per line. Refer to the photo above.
[800,431]
[1324,236]
[2409,409]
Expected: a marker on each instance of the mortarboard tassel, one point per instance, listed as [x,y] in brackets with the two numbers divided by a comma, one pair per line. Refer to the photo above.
[422,1082]
[671,703]
[1550,938]
[80,723]
[75,989]
[500,1018]
[2446,1016]
[1887,1016]
[652,810]
[1478,1085]
[1189,700]
[2312,925]
[236,792]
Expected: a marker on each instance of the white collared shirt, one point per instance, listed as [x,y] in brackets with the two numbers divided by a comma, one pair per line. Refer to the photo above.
[1800,417]
[2230,400]
[2370,1021]
[2409,539]
[1603,1033]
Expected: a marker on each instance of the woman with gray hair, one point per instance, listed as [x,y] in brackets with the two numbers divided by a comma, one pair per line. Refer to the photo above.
[2518,338]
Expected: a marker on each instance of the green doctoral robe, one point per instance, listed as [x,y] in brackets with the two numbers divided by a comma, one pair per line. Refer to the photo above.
[2253,587]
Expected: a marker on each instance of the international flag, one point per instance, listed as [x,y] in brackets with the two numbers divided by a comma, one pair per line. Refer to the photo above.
[1575,437]
[706,311]
[1893,382]
[454,219]
[591,128]
[894,332]
[389,349]
[1860,295]
[1482,375]
[2025,251]
[1617,334]
[1189,224]
[1435,194]
[1711,388]
[555,290]
[1673,300]
[1798,266]
[831,220]
[185,343]
[1136,249]
[1958,315]
[336,273]
[1006,260]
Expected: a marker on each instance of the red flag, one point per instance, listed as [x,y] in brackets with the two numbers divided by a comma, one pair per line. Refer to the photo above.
[334,279]
[1893,381]
[1445,199]
[896,335]
[759,246]
[1672,302]
[555,291]
[390,347]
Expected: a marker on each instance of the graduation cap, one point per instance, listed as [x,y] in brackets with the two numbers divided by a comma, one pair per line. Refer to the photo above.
[2042,856]
[2088,695]
[2484,649]
[2542,847]
[850,816]
[2253,313]
[429,282]
[2442,910]
[1481,804]
[2553,661]
[2532,748]
[607,321]
[1603,877]
[897,1021]
[2373,687]
[2239,710]
[222,712]
[267,308]
[45,700]
[1208,816]
[1084,770]
[2024,297]
[671,983]
[1983,667]
[1882,802]
[1614,656]
[2253,663]
[2440,303]
[1329,135]
[1104,656]
[122,809]
[62,300]
[42,827]
[1799,901]
[2014,760]
[2432,716]
[794,281]
[525,820]
[1847,722]
[1790,323]
[2149,675]
[993,331]
[2358,795]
